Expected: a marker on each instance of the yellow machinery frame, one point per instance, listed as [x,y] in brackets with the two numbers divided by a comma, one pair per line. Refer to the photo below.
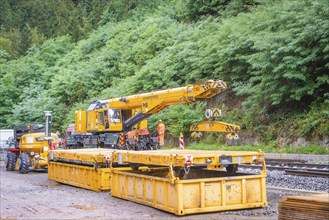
[74,166]
[183,157]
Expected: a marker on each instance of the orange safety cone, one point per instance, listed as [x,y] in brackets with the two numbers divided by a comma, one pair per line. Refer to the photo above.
[181,141]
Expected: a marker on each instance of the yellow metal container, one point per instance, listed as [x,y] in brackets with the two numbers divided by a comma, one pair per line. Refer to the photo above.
[201,191]
[84,168]
[80,176]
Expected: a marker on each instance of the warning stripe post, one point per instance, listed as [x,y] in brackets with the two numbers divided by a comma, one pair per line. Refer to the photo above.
[181,141]
[122,139]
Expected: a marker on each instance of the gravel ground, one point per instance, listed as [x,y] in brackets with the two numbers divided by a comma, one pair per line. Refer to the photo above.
[309,157]
[279,179]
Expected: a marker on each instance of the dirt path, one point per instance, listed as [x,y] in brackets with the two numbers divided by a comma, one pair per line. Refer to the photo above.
[33,196]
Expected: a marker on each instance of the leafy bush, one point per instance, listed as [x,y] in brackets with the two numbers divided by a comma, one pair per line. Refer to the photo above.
[273,55]
[178,118]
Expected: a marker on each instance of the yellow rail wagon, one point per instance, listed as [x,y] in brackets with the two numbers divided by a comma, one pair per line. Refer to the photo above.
[180,161]
[186,182]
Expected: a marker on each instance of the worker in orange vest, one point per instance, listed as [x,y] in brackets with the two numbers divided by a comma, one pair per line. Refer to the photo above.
[161,132]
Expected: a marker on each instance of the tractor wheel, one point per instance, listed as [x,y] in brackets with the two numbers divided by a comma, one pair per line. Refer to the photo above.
[24,163]
[232,168]
[11,161]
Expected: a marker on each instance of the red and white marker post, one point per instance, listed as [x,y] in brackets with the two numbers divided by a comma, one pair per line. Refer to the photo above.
[181,141]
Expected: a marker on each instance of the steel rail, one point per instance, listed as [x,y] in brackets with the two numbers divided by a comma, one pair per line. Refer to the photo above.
[306,173]
[280,166]
[306,170]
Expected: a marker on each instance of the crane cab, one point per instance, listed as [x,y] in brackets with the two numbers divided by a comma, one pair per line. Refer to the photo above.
[98,119]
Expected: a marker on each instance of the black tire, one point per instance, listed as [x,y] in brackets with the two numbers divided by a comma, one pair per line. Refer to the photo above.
[11,161]
[232,168]
[24,163]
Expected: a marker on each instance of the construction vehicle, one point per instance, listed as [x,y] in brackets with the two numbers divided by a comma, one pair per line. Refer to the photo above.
[231,130]
[112,122]
[20,130]
[33,150]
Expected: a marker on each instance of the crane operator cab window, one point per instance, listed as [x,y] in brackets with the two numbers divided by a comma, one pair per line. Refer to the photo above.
[96,105]
[114,115]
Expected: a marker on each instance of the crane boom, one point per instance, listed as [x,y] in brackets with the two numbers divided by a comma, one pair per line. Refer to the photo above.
[153,102]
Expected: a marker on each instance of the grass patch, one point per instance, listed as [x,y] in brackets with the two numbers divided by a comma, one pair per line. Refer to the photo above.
[309,149]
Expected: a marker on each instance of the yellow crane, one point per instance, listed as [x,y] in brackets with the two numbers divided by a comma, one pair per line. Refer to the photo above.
[110,120]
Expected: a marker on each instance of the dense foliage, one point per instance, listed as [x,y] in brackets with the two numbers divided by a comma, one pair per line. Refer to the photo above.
[25,23]
[273,54]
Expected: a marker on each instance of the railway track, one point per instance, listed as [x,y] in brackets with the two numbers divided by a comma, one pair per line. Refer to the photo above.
[294,168]
[285,160]
[316,173]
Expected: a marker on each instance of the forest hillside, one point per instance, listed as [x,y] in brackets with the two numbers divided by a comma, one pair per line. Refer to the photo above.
[274,55]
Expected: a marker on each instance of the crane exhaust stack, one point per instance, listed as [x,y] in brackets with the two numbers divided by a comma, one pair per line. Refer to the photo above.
[48,124]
